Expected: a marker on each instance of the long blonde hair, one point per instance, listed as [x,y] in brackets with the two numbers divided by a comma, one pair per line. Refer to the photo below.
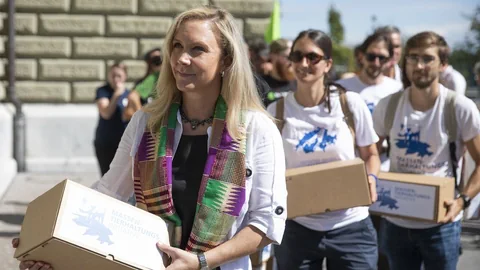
[238,86]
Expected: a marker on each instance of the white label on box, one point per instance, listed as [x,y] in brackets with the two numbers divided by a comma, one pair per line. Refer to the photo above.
[405,199]
[90,220]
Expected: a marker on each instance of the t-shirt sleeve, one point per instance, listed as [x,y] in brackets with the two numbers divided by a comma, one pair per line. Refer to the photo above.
[468,118]
[379,117]
[102,93]
[272,109]
[364,133]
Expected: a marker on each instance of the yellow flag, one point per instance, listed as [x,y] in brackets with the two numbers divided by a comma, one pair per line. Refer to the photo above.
[273,30]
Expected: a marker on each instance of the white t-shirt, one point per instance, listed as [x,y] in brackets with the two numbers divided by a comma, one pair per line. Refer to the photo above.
[430,155]
[452,79]
[314,136]
[398,73]
[372,94]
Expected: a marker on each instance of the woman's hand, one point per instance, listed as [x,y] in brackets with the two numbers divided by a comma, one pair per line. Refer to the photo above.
[181,259]
[30,265]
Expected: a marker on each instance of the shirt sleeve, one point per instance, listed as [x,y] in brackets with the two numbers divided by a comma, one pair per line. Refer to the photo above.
[272,109]
[267,209]
[379,117]
[118,181]
[102,93]
[468,118]
[364,133]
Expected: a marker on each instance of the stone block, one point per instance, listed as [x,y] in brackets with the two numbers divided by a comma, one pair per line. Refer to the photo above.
[147,44]
[247,8]
[25,24]
[78,25]
[136,69]
[2,4]
[42,46]
[25,69]
[105,6]
[33,91]
[71,70]
[138,26]
[168,6]
[255,27]
[105,47]
[42,5]
[3,41]
[60,138]
[85,91]
[240,25]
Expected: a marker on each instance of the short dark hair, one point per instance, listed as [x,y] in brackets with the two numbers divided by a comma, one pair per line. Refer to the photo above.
[424,40]
[279,45]
[119,65]
[377,37]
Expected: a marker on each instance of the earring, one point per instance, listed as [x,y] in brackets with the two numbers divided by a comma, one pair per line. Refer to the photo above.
[222,74]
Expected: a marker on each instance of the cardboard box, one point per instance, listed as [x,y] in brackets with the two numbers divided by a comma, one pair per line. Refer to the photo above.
[327,187]
[413,196]
[73,227]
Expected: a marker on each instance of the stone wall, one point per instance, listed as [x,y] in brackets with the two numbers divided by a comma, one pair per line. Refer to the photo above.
[64,47]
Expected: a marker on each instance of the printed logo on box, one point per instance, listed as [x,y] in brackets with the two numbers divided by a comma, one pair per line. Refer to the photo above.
[385,199]
[93,220]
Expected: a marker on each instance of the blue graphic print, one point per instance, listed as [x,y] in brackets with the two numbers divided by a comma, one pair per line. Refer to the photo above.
[411,141]
[371,106]
[93,221]
[311,140]
[385,199]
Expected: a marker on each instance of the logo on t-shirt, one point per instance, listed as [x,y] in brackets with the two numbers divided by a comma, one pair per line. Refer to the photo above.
[371,106]
[311,140]
[411,142]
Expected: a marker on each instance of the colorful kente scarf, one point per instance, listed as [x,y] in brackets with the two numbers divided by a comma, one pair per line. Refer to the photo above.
[222,190]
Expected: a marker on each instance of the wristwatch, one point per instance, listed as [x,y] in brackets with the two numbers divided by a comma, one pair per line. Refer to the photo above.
[202,261]
[466,200]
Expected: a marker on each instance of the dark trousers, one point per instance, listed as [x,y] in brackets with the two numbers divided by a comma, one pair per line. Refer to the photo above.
[105,154]
[382,258]
[437,248]
[351,247]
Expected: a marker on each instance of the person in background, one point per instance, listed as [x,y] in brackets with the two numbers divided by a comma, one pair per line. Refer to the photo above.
[258,55]
[476,72]
[144,89]
[111,101]
[315,132]
[393,69]
[452,79]
[281,78]
[422,114]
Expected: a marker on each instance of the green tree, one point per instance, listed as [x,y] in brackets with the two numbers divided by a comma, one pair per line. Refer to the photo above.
[342,55]
[465,55]
[337,31]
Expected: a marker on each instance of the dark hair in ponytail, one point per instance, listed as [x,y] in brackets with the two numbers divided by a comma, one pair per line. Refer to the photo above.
[323,42]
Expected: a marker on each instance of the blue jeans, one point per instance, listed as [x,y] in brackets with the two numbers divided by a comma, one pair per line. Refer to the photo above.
[438,248]
[351,247]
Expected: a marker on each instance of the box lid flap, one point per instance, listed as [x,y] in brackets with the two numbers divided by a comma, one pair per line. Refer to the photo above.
[324,166]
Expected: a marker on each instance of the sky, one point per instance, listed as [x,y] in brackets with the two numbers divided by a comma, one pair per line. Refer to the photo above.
[446,17]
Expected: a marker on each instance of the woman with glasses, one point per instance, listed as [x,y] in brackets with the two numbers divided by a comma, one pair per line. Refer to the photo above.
[345,238]
[143,90]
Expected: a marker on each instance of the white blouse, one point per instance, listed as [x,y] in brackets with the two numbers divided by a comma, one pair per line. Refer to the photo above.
[265,208]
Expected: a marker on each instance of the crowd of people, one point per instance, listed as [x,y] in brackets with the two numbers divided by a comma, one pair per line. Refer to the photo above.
[204,138]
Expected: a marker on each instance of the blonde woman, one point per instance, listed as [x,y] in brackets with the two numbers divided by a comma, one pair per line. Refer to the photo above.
[216,145]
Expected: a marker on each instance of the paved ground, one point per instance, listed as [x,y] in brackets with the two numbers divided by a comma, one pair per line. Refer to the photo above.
[27,187]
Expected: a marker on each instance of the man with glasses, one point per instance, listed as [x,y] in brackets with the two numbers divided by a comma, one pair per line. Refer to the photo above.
[444,124]
[281,78]
[393,70]
[372,85]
